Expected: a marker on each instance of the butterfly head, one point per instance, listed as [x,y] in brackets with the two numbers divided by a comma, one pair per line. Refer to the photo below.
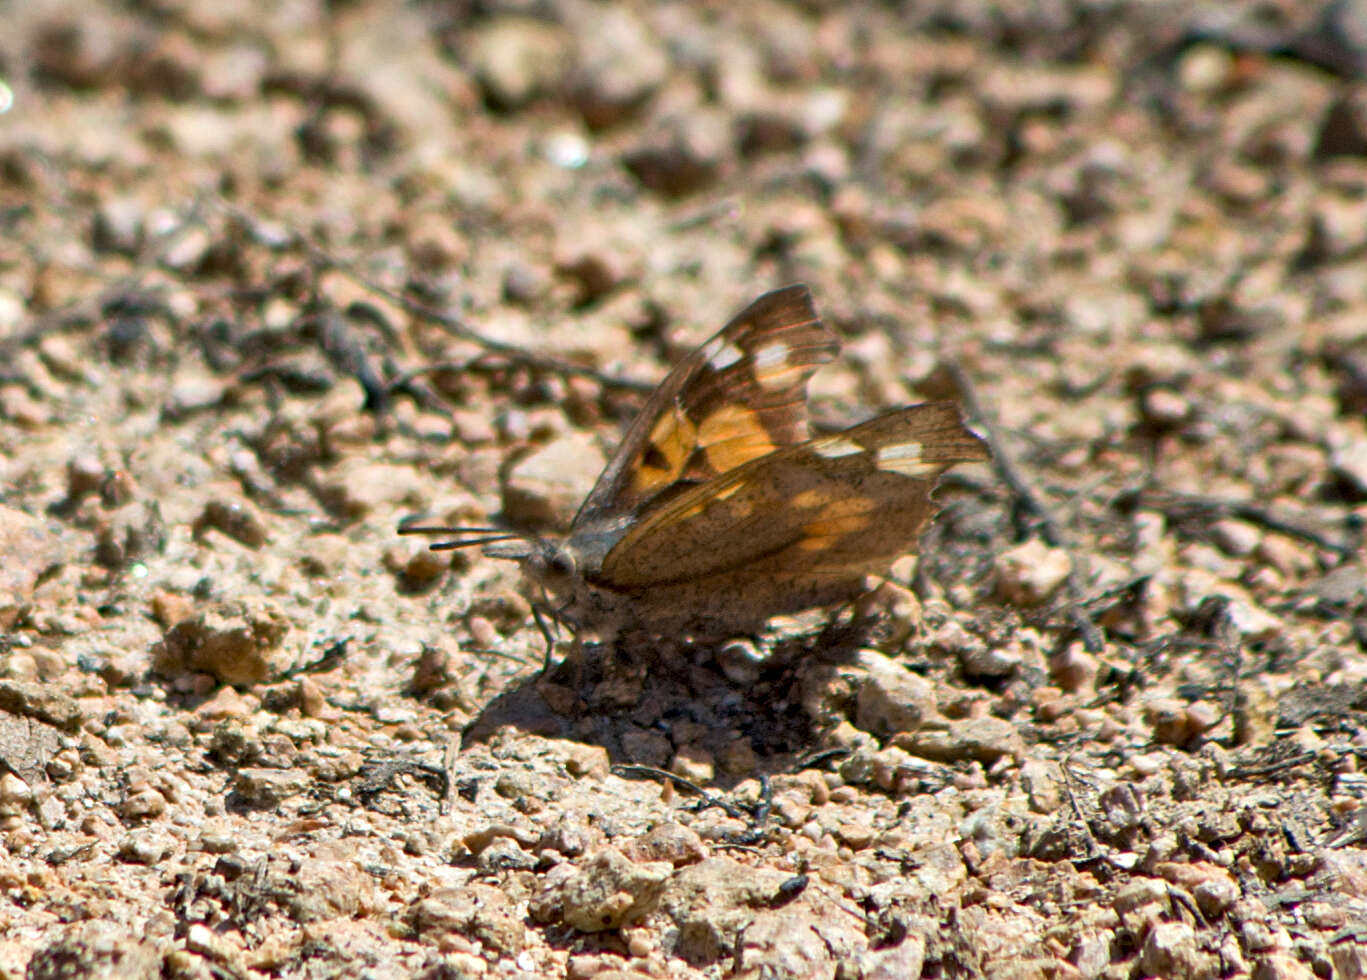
[552,563]
[549,562]
[562,567]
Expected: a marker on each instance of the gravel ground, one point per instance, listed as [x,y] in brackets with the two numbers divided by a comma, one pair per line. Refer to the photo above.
[274,276]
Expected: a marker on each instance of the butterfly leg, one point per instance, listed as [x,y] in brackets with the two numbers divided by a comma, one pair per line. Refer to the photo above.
[546,634]
[846,624]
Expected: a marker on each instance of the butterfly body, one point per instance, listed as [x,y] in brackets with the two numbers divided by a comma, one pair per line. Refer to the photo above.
[720,511]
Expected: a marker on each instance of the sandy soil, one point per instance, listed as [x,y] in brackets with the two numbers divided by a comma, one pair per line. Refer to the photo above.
[274,276]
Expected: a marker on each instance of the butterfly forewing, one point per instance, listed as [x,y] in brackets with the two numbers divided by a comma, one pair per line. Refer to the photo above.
[832,508]
[736,398]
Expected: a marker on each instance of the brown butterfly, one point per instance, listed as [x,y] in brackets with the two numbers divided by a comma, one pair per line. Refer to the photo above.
[719,511]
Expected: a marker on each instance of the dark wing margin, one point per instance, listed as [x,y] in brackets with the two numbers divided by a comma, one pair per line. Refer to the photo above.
[738,396]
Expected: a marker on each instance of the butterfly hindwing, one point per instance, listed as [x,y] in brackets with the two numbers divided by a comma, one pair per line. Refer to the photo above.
[736,398]
[834,507]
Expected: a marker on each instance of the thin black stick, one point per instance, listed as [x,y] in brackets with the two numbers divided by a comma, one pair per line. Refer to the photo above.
[453,325]
[1028,501]
[1180,506]
[665,776]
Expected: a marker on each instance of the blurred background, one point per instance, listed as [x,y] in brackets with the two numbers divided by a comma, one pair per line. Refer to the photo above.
[277,273]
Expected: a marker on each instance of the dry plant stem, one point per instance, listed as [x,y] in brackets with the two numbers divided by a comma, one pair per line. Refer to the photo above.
[451,763]
[664,775]
[1093,848]
[331,658]
[1273,768]
[1179,506]
[1353,833]
[453,325]
[1026,499]
[377,775]
[818,759]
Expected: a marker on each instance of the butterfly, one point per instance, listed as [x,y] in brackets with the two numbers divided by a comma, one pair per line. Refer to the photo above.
[720,510]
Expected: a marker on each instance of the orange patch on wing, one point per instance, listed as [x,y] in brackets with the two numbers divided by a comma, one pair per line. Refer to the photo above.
[811,499]
[736,510]
[843,507]
[835,520]
[733,435]
[670,444]
[831,527]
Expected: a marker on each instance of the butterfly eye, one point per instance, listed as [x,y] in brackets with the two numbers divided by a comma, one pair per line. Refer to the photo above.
[560,564]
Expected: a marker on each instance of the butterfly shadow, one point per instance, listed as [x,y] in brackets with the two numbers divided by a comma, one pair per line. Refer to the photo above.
[648,704]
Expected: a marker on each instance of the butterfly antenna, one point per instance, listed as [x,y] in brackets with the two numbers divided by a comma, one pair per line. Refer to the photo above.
[471,542]
[463,536]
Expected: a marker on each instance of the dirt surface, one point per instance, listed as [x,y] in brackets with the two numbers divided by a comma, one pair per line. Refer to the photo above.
[274,276]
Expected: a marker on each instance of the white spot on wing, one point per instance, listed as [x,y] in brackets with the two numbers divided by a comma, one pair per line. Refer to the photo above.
[771,366]
[771,356]
[722,354]
[836,447]
[904,458]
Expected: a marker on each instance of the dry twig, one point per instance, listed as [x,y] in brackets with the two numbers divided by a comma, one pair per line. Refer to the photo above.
[452,324]
[1189,507]
[1029,503]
